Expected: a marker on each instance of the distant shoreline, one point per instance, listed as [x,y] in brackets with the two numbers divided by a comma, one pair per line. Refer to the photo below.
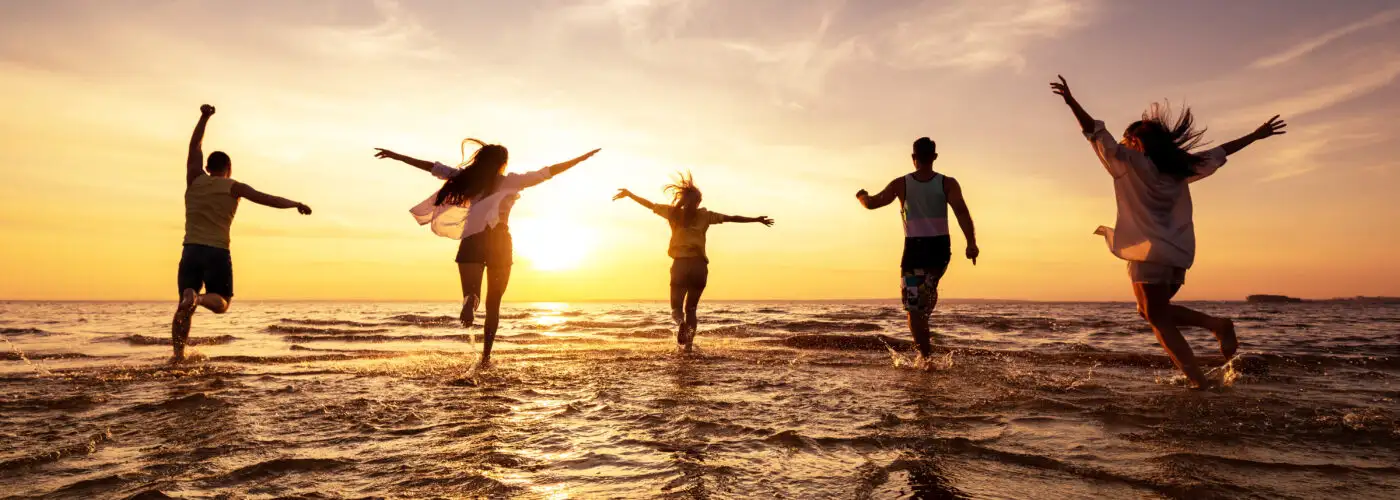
[1284,299]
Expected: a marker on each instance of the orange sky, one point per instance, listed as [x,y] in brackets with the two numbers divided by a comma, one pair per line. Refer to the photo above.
[779,108]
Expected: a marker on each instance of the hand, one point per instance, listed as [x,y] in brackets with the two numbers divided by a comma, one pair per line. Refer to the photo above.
[303,209]
[384,153]
[763,219]
[588,155]
[1269,129]
[622,193]
[862,195]
[206,110]
[1061,88]
[973,252]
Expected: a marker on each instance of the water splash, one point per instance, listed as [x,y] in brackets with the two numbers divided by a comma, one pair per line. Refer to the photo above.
[38,368]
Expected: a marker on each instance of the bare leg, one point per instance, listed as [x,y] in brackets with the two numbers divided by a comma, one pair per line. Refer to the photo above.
[190,301]
[1222,328]
[1154,301]
[498,277]
[678,312]
[692,308]
[471,291]
[180,324]
[214,302]
[918,325]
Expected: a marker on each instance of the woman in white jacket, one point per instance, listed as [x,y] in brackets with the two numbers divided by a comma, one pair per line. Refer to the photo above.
[1152,168]
[474,206]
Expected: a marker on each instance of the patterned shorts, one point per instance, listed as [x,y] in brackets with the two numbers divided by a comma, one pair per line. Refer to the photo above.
[919,289]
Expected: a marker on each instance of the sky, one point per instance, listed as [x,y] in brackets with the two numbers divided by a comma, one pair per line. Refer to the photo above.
[778,108]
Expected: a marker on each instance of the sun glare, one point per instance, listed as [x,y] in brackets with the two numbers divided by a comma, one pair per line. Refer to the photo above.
[551,244]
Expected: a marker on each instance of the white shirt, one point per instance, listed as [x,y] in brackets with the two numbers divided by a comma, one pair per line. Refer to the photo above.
[1154,209]
[457,222]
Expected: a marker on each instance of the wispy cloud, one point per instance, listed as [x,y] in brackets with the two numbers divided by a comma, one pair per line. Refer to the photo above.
[1319,98]
[976,35]
[397,35]
[1313,44]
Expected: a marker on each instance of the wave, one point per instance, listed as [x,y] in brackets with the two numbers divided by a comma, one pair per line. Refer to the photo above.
[283,466]
[196,400]
[24,331]
[328,322]
[812,325]
[375,338]
[426,321]
[56,454]
[304,330]
[19,356]
[138,339]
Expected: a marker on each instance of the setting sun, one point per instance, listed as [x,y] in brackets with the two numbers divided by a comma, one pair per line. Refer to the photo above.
[551,244]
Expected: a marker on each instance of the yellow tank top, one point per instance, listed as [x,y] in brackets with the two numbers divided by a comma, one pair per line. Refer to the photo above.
[209,209]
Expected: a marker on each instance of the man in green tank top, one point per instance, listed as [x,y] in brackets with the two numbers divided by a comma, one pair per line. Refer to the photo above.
[211,199]
[925,196]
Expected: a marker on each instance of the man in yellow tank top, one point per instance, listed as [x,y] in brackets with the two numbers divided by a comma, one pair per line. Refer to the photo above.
[211,199]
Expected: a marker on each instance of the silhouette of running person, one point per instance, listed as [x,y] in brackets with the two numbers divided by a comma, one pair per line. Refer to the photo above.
[1152,169]
[474,206]
[925,197]
[690,267]
[211,198]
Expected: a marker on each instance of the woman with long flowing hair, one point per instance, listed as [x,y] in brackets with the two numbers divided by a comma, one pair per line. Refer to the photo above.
[474,206]
[1153,168]
[690,267]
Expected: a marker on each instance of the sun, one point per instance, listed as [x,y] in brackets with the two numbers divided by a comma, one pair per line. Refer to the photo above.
[551,244]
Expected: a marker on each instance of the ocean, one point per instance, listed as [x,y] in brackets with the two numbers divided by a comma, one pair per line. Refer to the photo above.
[779,400]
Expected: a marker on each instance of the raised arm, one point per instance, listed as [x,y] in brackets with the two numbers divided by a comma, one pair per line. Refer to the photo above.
[959,206]
[194,163]
[893,190]
[1271,128]
[242,190]
[624,193]
[1061,88]
[425,166]
[560,168]
[739,218]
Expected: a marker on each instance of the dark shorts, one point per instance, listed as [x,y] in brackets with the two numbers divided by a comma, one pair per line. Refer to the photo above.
[207,268]
[924,263]
[690,272]
[492,247]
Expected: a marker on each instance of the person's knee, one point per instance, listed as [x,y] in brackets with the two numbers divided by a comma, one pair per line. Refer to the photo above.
[1156,314]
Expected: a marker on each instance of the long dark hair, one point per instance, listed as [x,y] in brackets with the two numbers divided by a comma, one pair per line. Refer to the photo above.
[1168,143]
[683,216]
[478,176]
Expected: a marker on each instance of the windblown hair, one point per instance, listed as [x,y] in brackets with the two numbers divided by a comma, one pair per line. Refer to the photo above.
[684,215]
[1167,142]
[479,174]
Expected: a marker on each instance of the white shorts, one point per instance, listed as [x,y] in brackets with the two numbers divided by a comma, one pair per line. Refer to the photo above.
[1156,274]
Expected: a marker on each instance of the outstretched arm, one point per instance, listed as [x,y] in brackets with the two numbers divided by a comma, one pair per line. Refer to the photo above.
[1061,88]
[623,193]
[1271,128]
[425,166]
[891,192]
[194,163]
[560,168]
[739,218]
[242,190]
[959,205]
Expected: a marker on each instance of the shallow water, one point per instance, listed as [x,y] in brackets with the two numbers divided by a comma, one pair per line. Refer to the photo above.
[801,400]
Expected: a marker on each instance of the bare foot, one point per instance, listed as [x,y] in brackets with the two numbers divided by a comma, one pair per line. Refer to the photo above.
[1229,345]
[468,316]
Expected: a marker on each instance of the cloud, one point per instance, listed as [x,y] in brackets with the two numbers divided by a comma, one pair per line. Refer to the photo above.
[1313,44]
[976,35]
[798,52]
[397,35]
[1319,98]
